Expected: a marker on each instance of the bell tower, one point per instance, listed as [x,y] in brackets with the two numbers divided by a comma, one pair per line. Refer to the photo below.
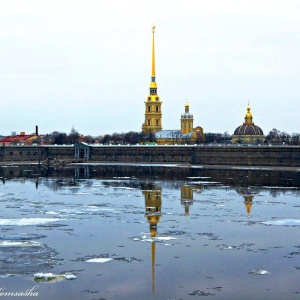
[187,120]
[153,113]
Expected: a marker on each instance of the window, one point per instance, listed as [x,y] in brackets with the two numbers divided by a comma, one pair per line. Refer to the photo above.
[156,108]
[157,122]
[149,108]
[148,122]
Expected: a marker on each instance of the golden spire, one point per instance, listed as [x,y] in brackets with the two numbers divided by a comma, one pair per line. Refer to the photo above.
[153,55]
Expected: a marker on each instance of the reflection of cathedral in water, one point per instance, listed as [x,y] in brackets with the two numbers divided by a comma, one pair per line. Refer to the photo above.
[248,203]
[248,196]
[152,194]
[187,198]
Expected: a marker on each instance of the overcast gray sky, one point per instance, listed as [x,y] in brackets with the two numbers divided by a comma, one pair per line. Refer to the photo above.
[87,63]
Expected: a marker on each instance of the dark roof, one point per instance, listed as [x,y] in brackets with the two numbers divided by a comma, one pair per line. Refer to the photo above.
[248,129]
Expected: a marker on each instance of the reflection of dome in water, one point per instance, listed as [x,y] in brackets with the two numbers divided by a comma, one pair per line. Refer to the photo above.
[248,132]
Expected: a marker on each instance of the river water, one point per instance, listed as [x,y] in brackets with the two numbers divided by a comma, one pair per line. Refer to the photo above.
[149,232]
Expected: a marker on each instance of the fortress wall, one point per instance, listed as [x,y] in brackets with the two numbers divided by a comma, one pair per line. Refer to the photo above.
[284,156]
[142,154]
[247,156]
[22,153]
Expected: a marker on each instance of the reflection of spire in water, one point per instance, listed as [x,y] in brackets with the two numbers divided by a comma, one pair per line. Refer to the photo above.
[153,245]
[187,198]
[248,203]
[152,194]
[37,183]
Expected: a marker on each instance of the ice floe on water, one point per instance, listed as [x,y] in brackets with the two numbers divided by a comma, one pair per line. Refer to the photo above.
[281,187]
[21,237]
[51,277]
[22,255]
[201,177]
[99,260]
[283,222]
[19,244]
[259,272]
[28,221]
[148,239]
[103,258]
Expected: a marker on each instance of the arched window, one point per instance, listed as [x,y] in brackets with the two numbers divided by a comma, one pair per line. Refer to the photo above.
[149,108]
[157,122]
[149,122]
[156,108]
[11,153]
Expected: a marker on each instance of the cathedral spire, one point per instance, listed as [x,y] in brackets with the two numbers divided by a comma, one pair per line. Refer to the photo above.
[153,113]
[153,56]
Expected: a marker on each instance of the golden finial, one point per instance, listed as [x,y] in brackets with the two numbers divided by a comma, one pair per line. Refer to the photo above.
[153,28]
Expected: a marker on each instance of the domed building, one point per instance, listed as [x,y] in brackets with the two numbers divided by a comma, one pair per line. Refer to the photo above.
[248,133]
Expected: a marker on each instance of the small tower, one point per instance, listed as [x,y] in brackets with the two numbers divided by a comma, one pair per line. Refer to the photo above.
[187,120]
[153,114]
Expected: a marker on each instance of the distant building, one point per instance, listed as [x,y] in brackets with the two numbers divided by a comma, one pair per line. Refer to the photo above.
[22,139]
[248,132]
[188,134]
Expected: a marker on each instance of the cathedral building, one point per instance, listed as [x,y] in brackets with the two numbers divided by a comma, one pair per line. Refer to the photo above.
[153,113]
[187,134]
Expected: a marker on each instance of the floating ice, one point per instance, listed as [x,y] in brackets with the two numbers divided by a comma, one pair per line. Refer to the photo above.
[27,221]
[21,237]
[259,272]
[44,275]
[283,222]
[51,277]
[99,260]
[19,244]
[70,276]
[51,212]
[198,177]
[144,238]
[204,182]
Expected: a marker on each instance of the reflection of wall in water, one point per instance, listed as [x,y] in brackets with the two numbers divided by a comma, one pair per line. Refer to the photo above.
[82,172]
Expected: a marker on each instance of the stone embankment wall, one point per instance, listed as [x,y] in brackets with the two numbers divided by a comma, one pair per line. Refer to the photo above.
[284,156]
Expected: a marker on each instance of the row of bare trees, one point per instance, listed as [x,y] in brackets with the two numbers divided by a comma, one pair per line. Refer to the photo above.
[274,137]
